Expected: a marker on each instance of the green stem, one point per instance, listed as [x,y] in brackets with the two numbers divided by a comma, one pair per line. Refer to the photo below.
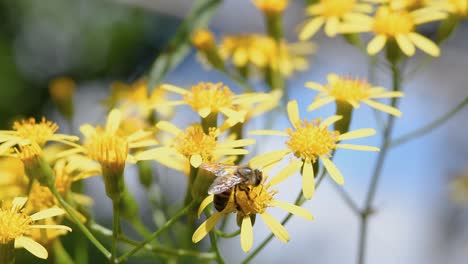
[81,226]
[299,201]
[364,215]
[347,198]
[7,253]
[429,127]
[214,247]
[60,253]
[226,235]
[153,236]
[115,228]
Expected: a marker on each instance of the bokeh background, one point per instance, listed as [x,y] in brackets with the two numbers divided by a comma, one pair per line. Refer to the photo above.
[97,42]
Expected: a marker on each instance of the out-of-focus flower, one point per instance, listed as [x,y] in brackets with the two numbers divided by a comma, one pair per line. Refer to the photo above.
[193,145]
[397,25]
[456,7]
[61,91]
[352,91]
[263,52]
[332,13]
[203,39]
[246,203]
[309,141]
[13,181]
[271,7]
[459,190]
[405,4]
[16,226]
[29,131]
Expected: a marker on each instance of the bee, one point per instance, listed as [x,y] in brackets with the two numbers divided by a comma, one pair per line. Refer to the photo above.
[230,179]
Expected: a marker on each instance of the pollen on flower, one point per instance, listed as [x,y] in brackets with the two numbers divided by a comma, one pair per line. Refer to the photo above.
[108,149]
[271,6]
[36,132]
[13,223]
[29,155]
[348,88]
[253,200]
[40,198]
[309,140]
[195,141]
[212,95]
[391,23]
[336,7]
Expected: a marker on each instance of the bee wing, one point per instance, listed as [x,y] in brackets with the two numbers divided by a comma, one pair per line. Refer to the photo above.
[218,169]
[224,183]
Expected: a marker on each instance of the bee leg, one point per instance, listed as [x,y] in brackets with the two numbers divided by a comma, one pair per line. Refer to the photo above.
[246,190]
[238,207]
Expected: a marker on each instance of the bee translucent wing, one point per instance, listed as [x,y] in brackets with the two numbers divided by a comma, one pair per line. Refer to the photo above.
[218,169]
[224,183]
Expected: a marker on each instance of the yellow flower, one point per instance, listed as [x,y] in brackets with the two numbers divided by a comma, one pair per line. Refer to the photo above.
[13,181]
[17,226]
[28,131]
[406,4]
[331,13]
[399,26]
[309,141]
[62,89]
[263,52]
[271,7]
[457,7]
[203,39]
[246,203]
[352,91]
[193,145]
[459,190]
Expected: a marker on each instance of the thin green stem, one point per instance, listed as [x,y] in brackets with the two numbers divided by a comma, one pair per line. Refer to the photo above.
[226,235]
[168,224]
[299,201]
[364,215]
[429,127]
[80,225]
[115,228]
[215,249]
[347,198]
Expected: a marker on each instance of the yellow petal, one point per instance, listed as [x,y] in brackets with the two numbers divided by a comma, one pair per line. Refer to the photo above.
[320,102]
[204,204]
[196,160]
[138,135]
[310,28]
[154,153]
[61,227]
[383,107]
[293,112]
[329,121]
[113,120]
[87,130]
[51,212]
[143,143]
[236,143]
[221,152]
[269,133]
[240,57]
[278,230]
[331,27]
[332,78]
[206,227]
[315,86]
[424,44]
[294,209]
[19,202]
[176,162]
[205,111]
[174,89]
[405,45]
[168,127]
[333,170]
[293,167]
[32,246]
[268,158]
[376,44]
[387,95]
[358,133]
[246,235]
[308,180]
[357,147]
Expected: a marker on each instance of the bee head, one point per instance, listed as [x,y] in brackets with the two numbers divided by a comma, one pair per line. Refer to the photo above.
[258,176]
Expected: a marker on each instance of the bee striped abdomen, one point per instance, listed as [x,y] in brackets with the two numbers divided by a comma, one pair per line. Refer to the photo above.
[221,199]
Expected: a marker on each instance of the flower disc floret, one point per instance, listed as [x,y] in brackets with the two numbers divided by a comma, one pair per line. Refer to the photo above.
[393,23]
[196,141]
[13,223]
[34,131]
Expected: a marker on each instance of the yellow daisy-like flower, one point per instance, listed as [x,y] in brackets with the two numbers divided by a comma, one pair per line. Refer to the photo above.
[271,7]
[13,181]
[16,226]
[29,131]
[309,141]
[352,91]
[397,25]
[109,147]
[193,145]
[246,202]
[332,13]
[262,51]
[457,7]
